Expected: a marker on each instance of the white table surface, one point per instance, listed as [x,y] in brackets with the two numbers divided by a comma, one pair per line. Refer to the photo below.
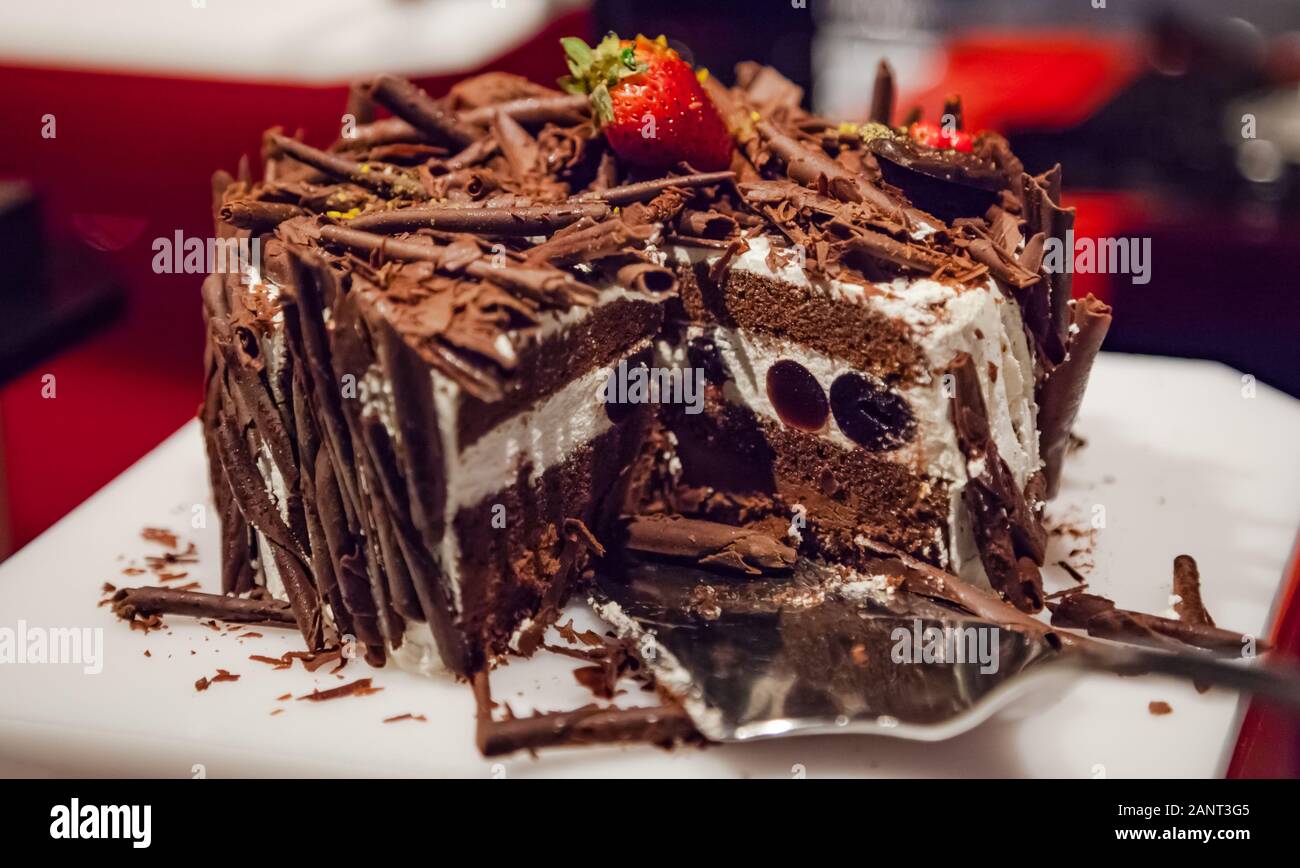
[1178,458]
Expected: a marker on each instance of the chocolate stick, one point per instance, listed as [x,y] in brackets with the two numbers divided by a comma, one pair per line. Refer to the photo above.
[129,602]
[385,131]
[417,108]
[663,724]
[256,215]
[471,155]
[644,191]
[528,220]
[532,110]
[383,180]
[882,94]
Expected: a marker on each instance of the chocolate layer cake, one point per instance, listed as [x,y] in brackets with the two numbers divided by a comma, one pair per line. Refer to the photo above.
[417,417]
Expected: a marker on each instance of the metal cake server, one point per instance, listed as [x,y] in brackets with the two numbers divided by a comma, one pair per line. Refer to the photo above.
[824,652]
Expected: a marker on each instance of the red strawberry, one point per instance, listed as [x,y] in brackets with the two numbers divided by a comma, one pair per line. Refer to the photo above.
[648,102]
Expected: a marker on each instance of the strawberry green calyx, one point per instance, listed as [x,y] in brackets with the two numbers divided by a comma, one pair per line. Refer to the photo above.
[595,70]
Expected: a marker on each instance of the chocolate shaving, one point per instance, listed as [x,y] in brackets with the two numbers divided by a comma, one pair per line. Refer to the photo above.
[420,718]
[360,687]
[813,168]
[1100,617]
[160,536]
[708,543]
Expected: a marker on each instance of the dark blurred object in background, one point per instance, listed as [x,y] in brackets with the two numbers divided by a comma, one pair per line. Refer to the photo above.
[51,294]
[721,33]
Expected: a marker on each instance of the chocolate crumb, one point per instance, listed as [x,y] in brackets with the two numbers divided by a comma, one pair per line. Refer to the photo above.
[1159,708]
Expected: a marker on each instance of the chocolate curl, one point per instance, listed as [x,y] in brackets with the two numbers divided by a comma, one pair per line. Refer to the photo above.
[533,111]
[1010,537]
[528,220]
[644,191]
[413,105]
[1187,587]
[1061,393]
[130,602]
[882,94]
[519,147]
[813,168]
[386,131]
[549,286]
[706,224]
[1104,620]
[382,180]
[258,216]
[708,543]
[641,275]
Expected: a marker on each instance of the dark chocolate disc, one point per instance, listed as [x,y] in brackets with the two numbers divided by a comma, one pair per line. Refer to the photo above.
[869,414]
[798,398]
[703,353]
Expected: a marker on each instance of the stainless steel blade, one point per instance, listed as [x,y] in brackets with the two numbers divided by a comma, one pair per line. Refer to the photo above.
[825,650]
